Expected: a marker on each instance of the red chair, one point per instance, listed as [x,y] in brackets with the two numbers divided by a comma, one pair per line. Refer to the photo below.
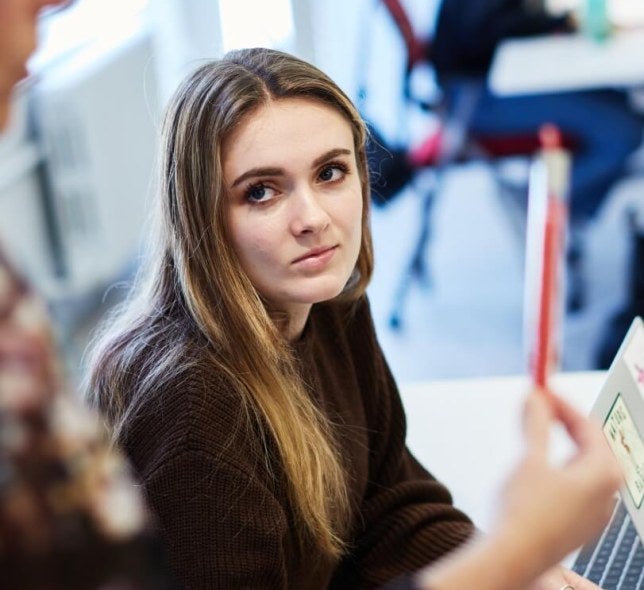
[451,143]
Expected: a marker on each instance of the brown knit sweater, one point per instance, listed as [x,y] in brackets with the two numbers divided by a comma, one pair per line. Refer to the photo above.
[226,520]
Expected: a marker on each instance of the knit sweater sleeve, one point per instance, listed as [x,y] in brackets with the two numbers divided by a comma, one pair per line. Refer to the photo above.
[222,528]
[408,519]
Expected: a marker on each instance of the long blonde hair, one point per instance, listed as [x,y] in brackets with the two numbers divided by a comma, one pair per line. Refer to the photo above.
[194,286]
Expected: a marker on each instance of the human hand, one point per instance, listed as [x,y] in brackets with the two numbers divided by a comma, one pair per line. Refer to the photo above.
[549,510]
[558,577]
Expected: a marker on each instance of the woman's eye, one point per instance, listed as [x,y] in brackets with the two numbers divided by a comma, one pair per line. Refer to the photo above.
[259,193]
[332,172]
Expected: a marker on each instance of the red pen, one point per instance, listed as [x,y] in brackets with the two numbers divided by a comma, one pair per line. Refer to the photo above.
[547,220]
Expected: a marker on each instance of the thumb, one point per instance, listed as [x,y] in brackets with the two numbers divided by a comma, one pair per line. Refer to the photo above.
[537,418]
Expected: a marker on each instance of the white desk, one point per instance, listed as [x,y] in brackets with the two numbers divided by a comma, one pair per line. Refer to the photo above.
[567,62]
[467,432]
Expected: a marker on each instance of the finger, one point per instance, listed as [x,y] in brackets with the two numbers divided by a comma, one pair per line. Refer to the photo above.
[578,582]
[595,459]
[536,423]
[582,429]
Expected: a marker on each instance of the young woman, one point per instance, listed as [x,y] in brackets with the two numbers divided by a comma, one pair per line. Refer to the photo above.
[245,380]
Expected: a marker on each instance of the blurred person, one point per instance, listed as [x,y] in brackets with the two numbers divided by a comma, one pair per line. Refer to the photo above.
[601,123]
[71,517]
[17,42]
[245,381]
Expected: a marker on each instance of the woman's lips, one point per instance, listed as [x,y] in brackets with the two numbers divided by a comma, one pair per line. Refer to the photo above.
[316,258]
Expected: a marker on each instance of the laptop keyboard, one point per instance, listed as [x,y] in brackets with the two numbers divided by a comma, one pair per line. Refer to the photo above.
[615,561]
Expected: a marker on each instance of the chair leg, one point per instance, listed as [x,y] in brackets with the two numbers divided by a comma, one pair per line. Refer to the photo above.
[417,267]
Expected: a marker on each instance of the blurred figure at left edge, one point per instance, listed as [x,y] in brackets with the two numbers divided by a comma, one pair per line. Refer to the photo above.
[70,515]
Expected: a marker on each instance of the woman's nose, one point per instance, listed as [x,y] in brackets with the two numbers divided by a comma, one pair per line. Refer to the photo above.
[308,214]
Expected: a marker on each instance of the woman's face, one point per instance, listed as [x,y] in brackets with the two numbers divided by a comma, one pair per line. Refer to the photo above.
[295,202]
[17,42]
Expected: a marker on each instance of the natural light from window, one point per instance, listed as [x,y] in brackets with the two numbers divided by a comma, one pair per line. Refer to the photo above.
[256,23]
[84,22]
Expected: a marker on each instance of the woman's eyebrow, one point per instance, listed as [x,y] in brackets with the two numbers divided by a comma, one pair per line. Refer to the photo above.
[273,171]
[334,153]
[254,172]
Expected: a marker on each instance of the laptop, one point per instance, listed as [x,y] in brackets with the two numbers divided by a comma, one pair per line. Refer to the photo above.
[615,560]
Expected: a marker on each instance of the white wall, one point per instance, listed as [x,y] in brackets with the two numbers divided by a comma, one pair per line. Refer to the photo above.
[185,31]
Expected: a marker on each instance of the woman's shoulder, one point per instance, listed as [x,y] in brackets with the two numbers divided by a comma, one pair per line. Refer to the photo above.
[196,411]
[195,393]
